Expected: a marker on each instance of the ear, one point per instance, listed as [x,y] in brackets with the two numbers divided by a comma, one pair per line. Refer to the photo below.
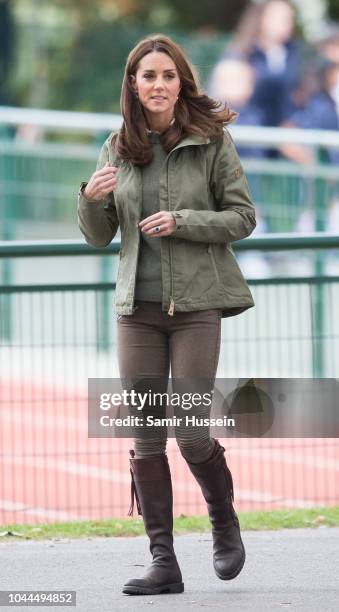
[133,81]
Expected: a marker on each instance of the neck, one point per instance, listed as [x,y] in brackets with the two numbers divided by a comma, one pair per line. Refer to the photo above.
[158,123]
[266,43]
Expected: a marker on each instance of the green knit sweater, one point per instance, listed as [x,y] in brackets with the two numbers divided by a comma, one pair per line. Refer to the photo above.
[148,282]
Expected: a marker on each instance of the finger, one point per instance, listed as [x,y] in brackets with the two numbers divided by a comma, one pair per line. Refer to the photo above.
[162,221]
[152,218]
[149,225]
[159,234]
[103,190]
[102,183]
[104,175]
[107,190]
[151,230]
[156,217]
[107,170]
[106,178]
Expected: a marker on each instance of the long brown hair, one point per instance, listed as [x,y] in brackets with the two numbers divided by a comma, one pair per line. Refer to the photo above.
[194,112]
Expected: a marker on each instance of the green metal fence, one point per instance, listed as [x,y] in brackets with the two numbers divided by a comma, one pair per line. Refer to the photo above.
[292,305]
[39,183]
[40,172]
[56,335]
[57,327]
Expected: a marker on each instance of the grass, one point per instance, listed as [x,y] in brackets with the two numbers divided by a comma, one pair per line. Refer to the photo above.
[275,519]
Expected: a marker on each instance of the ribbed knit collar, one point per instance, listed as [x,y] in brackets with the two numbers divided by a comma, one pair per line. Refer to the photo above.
[154,137]
[158,133]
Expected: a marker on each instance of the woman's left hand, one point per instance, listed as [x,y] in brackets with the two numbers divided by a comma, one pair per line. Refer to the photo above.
[159,224]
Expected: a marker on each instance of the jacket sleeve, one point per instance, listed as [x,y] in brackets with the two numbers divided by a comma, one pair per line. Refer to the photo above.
[97,219]
[235,215]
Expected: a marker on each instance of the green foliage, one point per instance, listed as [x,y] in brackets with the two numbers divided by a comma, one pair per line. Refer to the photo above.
[219,15]
[333,9]
[72,56]
[87,74]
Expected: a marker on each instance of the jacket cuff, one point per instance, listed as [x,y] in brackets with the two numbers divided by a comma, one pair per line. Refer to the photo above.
[179,222]
[81,192]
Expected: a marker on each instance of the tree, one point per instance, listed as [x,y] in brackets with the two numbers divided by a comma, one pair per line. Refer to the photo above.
[6,40]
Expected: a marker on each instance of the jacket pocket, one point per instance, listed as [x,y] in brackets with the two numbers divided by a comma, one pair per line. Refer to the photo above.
[214,265]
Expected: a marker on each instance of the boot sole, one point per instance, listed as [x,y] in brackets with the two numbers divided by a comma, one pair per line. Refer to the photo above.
[177,587]
[236,572]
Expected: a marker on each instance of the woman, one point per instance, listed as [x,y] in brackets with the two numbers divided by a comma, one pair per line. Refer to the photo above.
[265,39]
[172,180]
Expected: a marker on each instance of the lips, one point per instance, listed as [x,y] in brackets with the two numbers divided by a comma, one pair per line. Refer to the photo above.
[158,98]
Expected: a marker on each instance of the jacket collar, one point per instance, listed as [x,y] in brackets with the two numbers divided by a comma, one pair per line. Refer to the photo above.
[193,139]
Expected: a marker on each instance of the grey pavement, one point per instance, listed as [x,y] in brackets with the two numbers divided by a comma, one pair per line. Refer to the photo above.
[295,569]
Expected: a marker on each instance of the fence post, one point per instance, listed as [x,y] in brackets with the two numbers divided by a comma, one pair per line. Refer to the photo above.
[104,312]
[7,234]
[317,291]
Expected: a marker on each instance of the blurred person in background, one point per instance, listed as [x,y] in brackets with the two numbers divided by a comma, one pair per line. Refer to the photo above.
[256,264]
[233,82]
[328,48]
[327,44]
[319,111]
[173,165]
[265,39]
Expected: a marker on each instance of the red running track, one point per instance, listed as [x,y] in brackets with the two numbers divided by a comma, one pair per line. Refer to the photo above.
[51,471]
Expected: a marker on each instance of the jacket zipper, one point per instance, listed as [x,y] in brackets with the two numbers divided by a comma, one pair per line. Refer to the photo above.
[134,308]
[171,308]
[210,251]
[172,305]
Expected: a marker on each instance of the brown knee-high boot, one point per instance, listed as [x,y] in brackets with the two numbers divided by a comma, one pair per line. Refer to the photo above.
[152,486]
[215,480]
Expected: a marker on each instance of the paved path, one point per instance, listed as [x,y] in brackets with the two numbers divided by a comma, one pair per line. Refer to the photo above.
[284,570]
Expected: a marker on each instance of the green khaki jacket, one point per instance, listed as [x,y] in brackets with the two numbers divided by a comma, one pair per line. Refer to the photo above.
[203,184]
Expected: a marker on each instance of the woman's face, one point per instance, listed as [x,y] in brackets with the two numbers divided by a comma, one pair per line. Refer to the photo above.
[157,83]
[277,22]
[233,82]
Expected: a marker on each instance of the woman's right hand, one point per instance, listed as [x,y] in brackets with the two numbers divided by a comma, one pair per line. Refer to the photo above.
[101,183]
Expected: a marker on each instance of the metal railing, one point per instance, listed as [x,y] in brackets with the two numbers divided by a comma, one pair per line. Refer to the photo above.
[316,285]
[63,333]
[40,173]
[93,123]
[57,327]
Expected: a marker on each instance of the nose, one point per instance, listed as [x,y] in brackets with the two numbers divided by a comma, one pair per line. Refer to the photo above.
[159,83]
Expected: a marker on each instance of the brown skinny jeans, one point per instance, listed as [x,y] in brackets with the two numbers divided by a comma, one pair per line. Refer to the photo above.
[150,343]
